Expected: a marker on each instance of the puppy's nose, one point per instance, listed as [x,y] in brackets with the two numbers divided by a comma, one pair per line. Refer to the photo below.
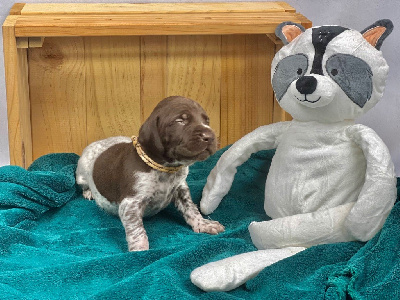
[306,85]
[207,136]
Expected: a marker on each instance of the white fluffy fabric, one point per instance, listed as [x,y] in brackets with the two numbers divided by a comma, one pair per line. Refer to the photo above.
[229,273]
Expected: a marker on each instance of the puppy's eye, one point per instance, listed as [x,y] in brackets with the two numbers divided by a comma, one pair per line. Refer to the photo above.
[180,121]
[334,72]
[299,71]
[183,120]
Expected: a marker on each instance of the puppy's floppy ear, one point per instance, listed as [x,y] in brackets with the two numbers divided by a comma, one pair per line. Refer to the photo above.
[288,31]
[378,32]
[149,136]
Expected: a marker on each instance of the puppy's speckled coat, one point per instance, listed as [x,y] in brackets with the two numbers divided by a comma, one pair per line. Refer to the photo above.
[110,171]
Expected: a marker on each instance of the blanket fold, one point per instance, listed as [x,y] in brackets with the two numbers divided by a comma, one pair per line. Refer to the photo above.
[54,244]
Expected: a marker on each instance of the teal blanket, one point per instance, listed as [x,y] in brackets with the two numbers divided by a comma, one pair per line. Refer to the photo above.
[56,245]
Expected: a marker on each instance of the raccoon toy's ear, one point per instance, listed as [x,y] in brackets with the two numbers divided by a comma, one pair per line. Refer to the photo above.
[288,31]
[378,32]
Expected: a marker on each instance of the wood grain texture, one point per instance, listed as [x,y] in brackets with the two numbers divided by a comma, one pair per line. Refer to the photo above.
[58,107]
[24,108]
[194,71]
[36,42]
[83,89]
[97,87]
[286,6]
[246,93]
[149,8]
[100,69]
[233,92]
[153,88]
[153,24]
[22,42]
[18,105]
[112,86]
[118,81]
[259,98]
[17,8]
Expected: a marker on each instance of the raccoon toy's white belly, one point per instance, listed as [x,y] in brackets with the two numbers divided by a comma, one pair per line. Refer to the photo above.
[316,166]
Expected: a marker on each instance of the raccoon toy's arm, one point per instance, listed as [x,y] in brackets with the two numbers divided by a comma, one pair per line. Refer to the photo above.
[359,220]
[221,177]
[378,193]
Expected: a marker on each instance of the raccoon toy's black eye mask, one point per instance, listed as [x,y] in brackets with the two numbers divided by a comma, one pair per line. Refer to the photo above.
[353,75]
[288,70]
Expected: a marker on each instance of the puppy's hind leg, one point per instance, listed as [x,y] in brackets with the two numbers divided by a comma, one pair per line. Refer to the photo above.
[82,182]
[81,176]
[87,194]
[131,212]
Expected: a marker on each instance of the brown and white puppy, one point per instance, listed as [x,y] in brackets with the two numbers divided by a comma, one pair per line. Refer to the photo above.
[177,133]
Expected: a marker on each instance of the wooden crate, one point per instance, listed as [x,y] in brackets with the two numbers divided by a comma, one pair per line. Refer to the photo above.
[76,73]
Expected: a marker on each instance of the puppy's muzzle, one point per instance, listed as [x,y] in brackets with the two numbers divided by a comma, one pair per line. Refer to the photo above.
[204,138]
[204,134]
[207,137]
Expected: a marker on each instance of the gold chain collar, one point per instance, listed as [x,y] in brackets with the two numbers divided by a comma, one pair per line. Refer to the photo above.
[151,163]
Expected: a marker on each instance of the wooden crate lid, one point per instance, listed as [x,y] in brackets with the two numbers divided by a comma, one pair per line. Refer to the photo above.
[83,19]
[134,8]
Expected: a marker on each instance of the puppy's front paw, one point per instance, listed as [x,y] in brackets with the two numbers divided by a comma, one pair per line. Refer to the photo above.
[141,244]
[208,226]
[87,194]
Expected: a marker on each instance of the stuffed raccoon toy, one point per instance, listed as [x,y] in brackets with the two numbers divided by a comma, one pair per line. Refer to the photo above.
[331,180]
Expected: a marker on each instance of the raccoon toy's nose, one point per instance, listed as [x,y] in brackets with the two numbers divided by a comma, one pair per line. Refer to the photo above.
[306,85]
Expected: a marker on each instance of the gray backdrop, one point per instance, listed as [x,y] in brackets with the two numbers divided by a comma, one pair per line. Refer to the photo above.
[356,14]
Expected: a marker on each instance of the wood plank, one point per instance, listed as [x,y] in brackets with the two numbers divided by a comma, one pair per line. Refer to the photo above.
[167,8]
[22,42]
[153,83]
[152,24]
[194,71]
[102,83]
[57,87]
[25,107]
[232,88]
[112,86]
[286,6]
[258,103]
[17,8]
[302,20]
[17,87]
[35,42]
[275,39]
[12,87]
[246,94]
